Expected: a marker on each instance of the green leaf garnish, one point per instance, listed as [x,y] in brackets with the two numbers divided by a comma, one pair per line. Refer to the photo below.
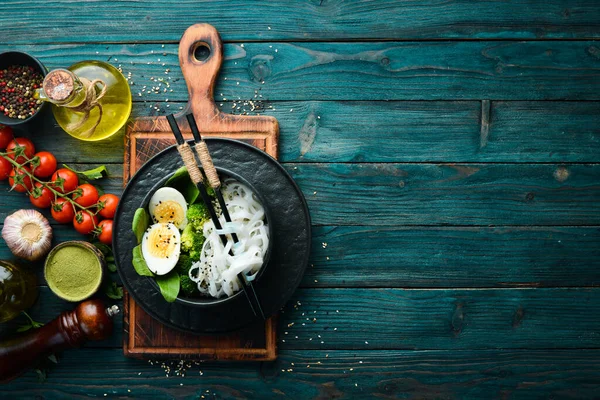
[182,182]
[95,173]
[113,291]
[139,264]
[31,324]
[169,285]
[141,220]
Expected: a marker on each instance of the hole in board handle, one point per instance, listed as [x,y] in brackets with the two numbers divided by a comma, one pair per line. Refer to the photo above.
[201,51]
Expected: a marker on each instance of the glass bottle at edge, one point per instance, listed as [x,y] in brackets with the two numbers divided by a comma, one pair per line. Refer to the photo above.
[18,290]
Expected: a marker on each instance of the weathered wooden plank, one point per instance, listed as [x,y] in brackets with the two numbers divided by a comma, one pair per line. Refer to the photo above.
[358,256]
[316,20]
[452,194]
[549,131]
[446,257]
[417,319]
[11,201]
[309,374]
[422,131]
[431,194]
[540,70]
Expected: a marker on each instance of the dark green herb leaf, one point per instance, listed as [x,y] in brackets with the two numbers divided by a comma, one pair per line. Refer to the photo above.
[112,267]
[141,220]
[169,285]
[95,173]
[182,182]
[99,189]
[104,249]
[113,291]
[41,375]
[31,324]
[52,357]
[139,263]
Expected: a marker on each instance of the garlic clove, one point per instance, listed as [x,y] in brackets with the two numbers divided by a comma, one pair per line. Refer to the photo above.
[27,234]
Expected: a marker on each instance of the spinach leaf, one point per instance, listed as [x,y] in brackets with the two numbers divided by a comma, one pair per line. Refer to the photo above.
[141,220]
[139,264]
[113,291]
[169,285]
[182,182]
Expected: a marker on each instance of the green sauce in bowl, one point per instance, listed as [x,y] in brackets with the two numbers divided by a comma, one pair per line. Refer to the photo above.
[74,270]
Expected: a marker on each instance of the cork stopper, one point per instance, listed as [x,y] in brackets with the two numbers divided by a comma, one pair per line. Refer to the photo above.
[59,85]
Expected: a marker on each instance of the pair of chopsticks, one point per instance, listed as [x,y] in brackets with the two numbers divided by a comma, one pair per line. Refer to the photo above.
[189,160]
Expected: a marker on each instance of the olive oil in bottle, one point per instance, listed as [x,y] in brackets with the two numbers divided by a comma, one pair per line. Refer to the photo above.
[18,290]
[91,99]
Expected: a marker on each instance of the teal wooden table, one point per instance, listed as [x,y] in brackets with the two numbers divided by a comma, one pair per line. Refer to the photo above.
[449,154]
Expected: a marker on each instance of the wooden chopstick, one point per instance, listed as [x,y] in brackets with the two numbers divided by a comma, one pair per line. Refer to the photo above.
[213,177]
[191,164]
[209,168]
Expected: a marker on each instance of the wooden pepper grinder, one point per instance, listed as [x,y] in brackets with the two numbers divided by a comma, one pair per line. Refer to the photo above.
[89,321]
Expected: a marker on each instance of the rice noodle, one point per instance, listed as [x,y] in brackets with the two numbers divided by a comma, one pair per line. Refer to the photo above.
[216,272]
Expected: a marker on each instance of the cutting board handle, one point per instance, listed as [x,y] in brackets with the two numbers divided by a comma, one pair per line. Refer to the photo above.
[200,57]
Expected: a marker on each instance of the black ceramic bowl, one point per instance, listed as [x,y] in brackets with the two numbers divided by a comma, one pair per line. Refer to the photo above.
[19,58]
[288,220]
[211,301]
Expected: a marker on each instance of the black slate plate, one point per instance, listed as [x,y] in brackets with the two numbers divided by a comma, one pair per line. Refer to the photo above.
[290,250]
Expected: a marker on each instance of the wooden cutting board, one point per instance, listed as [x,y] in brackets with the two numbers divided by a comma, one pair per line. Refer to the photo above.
[145,337]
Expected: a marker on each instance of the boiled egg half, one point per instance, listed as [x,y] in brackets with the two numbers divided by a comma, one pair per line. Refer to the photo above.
[167,205]
[161,248]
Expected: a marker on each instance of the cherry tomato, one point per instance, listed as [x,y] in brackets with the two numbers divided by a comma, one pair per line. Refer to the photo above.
[45,196]
[85,222]
[5,168]
[106,235]
[23,180]
[6,135]
[64,180]
[62,211]
[109,205]
[88,195]
[45,164]
[26,144]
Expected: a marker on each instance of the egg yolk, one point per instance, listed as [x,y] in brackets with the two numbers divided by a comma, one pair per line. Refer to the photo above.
[168,211]
[161,242]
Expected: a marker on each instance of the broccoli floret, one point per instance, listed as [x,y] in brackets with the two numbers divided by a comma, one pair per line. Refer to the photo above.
[188,286]
[183,264]
[197,215]
[192,242]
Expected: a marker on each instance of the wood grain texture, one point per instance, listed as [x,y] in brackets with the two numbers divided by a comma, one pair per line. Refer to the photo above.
[453,257]
[473,70]
[300,20]
[422,131]
[438,257]
[433,194]
[515,374]
[418,319]
[450,194]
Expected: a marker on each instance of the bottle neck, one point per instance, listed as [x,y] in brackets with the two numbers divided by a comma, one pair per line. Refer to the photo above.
[63,88]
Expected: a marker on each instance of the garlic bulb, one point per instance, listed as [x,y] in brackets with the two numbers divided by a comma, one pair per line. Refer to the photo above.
[27,234]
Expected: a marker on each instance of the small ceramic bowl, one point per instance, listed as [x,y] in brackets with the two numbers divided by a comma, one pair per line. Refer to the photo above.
[19,58]
[93,286]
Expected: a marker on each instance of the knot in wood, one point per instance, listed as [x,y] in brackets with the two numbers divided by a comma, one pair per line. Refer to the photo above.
[260,67]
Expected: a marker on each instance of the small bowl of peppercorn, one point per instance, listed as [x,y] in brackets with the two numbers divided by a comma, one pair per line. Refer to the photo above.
[20,76]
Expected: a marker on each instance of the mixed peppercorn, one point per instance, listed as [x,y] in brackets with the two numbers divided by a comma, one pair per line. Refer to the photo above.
[18,84]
